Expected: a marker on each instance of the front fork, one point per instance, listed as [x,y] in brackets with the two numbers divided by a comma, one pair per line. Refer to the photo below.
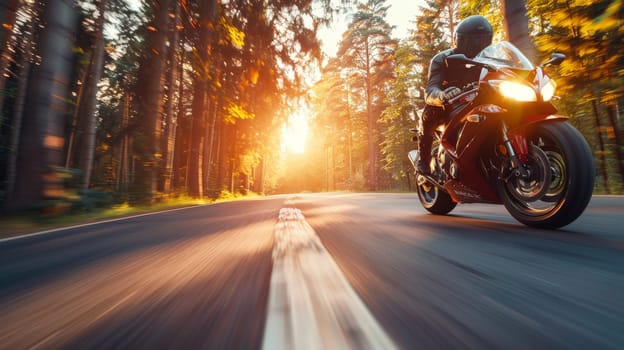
[516,148]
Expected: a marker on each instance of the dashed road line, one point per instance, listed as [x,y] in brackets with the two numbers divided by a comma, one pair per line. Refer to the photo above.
[311,304]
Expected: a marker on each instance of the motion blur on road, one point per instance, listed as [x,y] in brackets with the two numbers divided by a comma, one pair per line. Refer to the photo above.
[317,271]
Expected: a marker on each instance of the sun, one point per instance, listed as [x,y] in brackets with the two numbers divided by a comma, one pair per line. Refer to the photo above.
[295,134]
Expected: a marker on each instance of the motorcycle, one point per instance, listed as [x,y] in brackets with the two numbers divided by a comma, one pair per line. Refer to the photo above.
[503,143]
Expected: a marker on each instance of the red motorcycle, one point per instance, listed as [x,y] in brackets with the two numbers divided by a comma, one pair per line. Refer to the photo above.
[504,143]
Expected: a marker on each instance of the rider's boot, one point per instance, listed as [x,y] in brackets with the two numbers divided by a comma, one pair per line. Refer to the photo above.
[423,166]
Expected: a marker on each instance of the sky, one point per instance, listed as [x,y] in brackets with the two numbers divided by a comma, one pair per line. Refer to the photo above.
[401,14]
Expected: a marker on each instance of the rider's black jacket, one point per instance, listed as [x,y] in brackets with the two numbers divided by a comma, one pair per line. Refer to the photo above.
[442,77]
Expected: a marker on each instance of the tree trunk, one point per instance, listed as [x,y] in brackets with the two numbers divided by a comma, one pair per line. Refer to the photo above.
[168,140]
[41,147]
[95,75]
[603,161]
[611,111]
[145,184]
[516,23]
[372,157]
[7,24]
[206,149]
[71,146]
[450,8]
[220,156]
[198,127]
[211,143]
[20,100]
[123,176]
[182,135]
[198,130]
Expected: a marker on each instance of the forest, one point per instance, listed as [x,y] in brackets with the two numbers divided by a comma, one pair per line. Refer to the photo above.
[116,101]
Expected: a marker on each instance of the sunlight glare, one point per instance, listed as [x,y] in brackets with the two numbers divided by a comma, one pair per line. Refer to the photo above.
[295,134]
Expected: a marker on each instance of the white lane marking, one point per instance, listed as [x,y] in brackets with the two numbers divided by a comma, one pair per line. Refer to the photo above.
[311,304]
[34,234]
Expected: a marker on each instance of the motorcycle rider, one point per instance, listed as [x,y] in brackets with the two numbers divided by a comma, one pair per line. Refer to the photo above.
[472,35]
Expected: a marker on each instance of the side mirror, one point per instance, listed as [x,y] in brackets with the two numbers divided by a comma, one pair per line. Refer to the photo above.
[555,59]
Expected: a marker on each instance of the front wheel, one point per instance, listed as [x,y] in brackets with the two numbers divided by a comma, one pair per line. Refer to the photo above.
[569,178]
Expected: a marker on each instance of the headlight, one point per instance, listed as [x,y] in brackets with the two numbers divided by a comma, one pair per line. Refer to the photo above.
[515,91]
[548,90]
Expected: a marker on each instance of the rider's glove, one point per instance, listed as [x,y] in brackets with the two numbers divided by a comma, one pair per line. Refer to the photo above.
[450,93]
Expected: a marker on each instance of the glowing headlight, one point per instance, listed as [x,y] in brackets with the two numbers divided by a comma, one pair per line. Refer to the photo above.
[516,91]
[548,90]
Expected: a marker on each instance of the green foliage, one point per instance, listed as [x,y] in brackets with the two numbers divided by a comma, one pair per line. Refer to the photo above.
[249,67]
[226,195]
[365,62]
[428,39]
[91,199]
[404,97]
[398,116]
[490,9]
[591,36]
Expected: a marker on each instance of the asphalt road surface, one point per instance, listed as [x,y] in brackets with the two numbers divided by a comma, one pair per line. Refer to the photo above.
[318,271]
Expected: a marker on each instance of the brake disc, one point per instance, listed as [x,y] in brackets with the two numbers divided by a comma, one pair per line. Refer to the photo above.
[537,183]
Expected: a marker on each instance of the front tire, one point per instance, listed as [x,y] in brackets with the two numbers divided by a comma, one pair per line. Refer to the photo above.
[572,172]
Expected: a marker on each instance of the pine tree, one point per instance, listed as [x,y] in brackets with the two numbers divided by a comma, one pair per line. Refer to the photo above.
[95,74]
[398,117]
[428,38]
[149,102]
[367,49]
[405,97]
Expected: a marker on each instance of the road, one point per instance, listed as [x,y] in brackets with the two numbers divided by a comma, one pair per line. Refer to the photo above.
[318,271]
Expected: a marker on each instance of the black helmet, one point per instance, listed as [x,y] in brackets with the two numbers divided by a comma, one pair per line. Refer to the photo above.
[472,35]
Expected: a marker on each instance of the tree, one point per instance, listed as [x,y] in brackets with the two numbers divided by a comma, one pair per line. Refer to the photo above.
[490,9]
[405,96]
[169,134]
[258,75]
[203,70]
[8,14]
[367,49]
[39,177]
[26,50]
[150,102]
[95,75]
[334,121]
[516,23]
[248,67]
[117,115]
[398,116]
[428,38]
[590,36]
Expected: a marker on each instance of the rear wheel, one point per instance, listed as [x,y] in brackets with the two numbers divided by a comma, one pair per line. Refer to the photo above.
[560,161]
[434,199]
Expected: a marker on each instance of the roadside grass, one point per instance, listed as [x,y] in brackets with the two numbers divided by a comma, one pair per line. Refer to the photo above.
[16,225]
